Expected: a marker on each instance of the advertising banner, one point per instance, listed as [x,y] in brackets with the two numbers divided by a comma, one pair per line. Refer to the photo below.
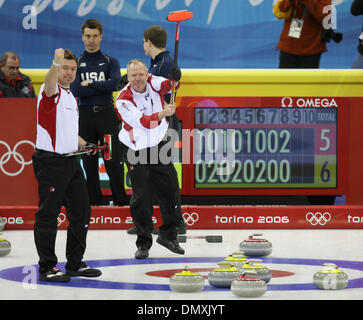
[209,217]
[222,34]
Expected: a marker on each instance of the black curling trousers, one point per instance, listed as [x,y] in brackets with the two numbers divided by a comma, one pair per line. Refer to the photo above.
[293,61]
[92,127]
[60,182]
[146,180]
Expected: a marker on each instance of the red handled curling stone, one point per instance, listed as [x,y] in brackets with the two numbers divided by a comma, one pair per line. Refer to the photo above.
[186,281]
[261,271]
[5,246]
[222,278]
[330,278]
[256,246]
[249,286]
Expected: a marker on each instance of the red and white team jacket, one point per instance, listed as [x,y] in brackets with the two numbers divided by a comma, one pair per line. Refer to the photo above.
[57,121]
[139,112]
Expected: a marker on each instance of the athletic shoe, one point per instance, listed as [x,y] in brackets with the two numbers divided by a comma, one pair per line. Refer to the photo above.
[141,253]
[132,230]
[54,275]
[172,245]
[84,271]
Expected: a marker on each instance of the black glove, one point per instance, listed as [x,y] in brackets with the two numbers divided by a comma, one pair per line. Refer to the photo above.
[92,147]
[175,73]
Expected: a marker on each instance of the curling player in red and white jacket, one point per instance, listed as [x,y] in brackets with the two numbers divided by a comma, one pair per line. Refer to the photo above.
[60,177]
[143,111]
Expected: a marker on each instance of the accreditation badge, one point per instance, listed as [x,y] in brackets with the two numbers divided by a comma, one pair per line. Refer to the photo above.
[295,28]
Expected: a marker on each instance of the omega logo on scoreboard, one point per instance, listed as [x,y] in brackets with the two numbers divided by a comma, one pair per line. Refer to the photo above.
[289,102]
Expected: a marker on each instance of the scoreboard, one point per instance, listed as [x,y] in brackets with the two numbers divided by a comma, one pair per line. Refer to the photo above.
[262,146]
[265,147]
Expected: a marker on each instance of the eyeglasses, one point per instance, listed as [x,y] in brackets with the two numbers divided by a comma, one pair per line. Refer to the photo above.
[13,68]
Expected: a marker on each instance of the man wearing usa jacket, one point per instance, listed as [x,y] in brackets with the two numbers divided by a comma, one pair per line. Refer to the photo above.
[97,77]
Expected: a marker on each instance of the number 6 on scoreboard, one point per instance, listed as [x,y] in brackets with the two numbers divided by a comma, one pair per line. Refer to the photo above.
[325,173]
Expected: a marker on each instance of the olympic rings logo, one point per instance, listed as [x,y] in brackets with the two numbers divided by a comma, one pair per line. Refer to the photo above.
[318,218]
[5,158]
[61,218]
[190,218]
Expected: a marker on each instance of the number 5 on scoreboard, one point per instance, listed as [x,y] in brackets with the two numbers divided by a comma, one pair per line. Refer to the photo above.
[324,137]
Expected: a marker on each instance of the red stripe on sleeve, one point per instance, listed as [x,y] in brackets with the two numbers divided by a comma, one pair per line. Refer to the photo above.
[47,115]
[166,86]
[150,122]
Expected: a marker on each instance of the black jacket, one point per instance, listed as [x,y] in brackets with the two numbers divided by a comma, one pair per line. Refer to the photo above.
[103,73]
[161,66]
[21,87]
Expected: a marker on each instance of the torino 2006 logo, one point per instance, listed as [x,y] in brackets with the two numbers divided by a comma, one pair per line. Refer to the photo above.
[16,155]
[318,218]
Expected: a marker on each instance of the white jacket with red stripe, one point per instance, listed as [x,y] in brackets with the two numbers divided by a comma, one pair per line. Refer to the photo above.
[139,113]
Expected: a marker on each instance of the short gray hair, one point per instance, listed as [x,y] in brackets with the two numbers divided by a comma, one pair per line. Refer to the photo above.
[134,61]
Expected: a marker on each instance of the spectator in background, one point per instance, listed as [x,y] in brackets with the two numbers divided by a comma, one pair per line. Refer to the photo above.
[301,42]
[13,83]
[357,9]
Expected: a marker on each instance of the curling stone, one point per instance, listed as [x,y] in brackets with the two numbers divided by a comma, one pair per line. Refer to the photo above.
[330,277]
[5,247]
[222,278]
[262,272]
[224,265]
[248,285]
[256,246]
[2,223]
[238,254]
[236,262]
[186,281]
